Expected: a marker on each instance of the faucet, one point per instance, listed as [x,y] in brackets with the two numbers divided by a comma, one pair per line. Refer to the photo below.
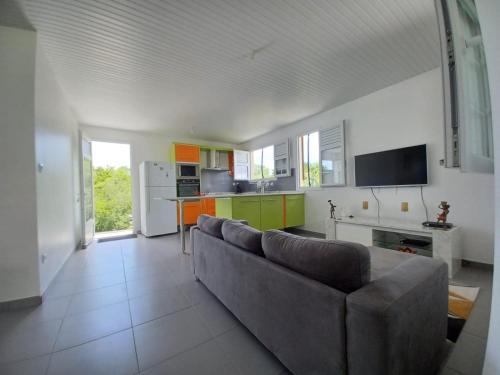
[262,185]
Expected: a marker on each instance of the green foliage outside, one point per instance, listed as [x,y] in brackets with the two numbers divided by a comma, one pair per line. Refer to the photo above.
[259,171]
[112,199]
[314,176]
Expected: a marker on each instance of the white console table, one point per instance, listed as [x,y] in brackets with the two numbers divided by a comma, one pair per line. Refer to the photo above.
[446,244]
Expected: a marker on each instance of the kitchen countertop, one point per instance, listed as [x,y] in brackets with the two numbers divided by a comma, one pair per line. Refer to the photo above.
[250,194]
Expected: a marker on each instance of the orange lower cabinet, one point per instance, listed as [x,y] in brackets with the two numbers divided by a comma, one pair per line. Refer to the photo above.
[191,212]
[208,206]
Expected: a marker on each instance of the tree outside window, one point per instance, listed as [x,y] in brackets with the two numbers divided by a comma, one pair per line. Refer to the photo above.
[309,160]
[262,163]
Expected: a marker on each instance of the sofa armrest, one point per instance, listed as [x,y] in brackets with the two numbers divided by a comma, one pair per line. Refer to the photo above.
[191,244]
[397,324]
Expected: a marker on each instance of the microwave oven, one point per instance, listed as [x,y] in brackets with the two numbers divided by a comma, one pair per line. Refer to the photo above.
[188,171]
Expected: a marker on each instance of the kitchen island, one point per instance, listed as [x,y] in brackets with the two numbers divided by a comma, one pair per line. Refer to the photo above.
[263,211]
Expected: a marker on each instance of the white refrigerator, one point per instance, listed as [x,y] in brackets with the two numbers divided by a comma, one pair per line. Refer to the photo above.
[157,180]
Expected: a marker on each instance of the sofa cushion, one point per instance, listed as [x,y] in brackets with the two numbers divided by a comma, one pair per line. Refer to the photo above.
[211,225]
[243,236]
[342,265]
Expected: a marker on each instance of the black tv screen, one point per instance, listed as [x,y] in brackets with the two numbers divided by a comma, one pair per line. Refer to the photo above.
[400,167]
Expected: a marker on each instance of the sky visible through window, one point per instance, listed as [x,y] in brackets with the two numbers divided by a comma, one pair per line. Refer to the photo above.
[105,154]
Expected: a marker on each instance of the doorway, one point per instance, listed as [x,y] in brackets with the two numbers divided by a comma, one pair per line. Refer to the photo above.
[112,189]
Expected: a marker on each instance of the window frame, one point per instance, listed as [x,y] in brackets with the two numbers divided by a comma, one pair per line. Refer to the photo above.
[299,162]
[251,164]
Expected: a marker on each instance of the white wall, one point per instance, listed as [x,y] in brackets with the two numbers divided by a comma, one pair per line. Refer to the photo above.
[143,146]
[405,114]
[56,144]
[18,235]
[489,16]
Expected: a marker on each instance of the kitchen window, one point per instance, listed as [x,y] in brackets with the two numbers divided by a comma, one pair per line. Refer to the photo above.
[308,145]
[262,163]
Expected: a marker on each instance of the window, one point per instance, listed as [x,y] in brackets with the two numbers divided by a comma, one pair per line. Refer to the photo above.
[332,156]
[262,163]
[309,160]
[468,121]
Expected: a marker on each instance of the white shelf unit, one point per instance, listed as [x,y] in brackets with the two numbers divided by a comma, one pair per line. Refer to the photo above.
[443,244]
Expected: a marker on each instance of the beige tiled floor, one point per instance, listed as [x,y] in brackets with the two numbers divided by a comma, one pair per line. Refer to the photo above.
[133,305]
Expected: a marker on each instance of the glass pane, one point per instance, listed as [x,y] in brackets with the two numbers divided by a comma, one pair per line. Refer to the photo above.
[332,167]
[309,160]
[303,175]
[471,89]
[268,161]
[314,159]
[256,165]
[240,172]
[477,101]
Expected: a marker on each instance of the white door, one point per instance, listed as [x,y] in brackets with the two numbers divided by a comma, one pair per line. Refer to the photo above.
[160,174]
[161,213]
[86,184]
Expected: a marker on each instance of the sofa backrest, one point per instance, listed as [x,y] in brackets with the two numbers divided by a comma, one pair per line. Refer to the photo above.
[243,236]
[211,225]
[300,320]
[342,265]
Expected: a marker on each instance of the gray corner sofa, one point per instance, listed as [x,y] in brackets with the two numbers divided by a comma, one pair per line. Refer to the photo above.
[327,307]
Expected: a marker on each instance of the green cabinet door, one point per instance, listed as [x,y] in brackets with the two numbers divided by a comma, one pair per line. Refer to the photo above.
[294,210]
[271,212]
[224,208]
[247,208]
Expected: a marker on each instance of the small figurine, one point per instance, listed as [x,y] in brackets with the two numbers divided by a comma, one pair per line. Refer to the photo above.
[442,217]
[332,209]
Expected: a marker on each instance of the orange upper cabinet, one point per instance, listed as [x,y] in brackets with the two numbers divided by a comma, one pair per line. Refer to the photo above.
[187,153]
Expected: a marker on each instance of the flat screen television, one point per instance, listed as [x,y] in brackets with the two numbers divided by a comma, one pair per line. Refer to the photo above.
[400,167]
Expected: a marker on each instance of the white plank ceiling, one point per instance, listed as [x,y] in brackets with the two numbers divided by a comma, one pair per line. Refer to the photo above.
[228,70]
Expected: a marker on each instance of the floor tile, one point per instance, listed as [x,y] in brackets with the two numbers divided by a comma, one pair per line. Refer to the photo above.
[113,354]
[165,337]
[216,316]
[205,359]
[50,309]
[135,273]
[18,343]
[81,328]
[150,284]
[100,281]
[196,292]
[157,304]
[478,322]
[468,355]
[97,298]
[32,366]
[249,356]
[60,289]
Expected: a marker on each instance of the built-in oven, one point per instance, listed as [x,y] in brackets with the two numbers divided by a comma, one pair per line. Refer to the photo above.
[188,187]
[191,171]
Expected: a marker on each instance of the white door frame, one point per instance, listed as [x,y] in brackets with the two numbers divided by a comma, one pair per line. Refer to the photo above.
[88,226]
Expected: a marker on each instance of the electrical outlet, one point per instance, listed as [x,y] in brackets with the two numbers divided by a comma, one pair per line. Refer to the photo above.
[43,257]
[365,205]
[404,206]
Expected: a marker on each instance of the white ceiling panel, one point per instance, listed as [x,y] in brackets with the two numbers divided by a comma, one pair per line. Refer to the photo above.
[228,70]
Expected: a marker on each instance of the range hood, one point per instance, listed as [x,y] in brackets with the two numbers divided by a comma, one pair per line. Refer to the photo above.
[217,161]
